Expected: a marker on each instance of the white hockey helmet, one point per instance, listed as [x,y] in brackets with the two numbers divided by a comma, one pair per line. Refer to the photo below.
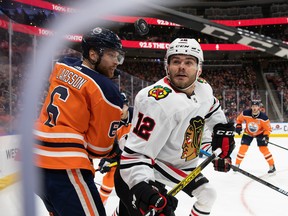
[186,46]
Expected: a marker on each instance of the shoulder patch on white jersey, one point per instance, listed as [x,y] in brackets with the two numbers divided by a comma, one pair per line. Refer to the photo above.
[201,80]
[159,92]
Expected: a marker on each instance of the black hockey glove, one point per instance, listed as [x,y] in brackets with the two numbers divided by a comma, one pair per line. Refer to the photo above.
[153,196]
[222,164]
[238,129]
[113,156]
[266,139]
[223,137]
[115,153]
[104,165]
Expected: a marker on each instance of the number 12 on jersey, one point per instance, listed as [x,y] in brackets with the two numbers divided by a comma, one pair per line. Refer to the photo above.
[144,126]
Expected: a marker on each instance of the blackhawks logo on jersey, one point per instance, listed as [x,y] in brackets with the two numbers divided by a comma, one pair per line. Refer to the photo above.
[192,138]
[159,92]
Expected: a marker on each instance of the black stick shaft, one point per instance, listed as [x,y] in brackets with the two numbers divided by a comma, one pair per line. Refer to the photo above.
[252,176]
[278,145]
[259,180]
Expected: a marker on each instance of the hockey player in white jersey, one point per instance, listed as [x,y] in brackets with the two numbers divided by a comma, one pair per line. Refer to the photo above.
[164,141]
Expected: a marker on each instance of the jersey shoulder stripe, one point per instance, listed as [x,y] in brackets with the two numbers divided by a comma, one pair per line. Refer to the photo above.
[248,113]
[263,116]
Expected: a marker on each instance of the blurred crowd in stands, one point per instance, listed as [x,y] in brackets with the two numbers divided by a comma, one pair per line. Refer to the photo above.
[277,75]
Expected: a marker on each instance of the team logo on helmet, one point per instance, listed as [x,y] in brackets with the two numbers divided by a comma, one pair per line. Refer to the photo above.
[97,30]
[159,92]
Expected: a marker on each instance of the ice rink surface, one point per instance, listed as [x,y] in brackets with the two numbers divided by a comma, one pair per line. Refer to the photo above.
[238,195]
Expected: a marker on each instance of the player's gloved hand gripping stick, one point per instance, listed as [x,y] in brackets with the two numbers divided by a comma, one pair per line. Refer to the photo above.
[103,168]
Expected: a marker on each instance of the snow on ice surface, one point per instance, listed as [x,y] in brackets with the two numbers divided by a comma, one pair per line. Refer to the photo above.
[237,194]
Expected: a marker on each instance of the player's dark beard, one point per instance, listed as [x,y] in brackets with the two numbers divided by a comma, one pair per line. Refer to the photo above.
[179,88]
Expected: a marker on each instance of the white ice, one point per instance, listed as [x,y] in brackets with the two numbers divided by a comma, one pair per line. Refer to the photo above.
[238,195]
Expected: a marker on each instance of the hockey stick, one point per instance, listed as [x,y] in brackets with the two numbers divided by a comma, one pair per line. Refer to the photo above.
[189,178]
[277,145]
[194,173]
[271,143]
[235,168]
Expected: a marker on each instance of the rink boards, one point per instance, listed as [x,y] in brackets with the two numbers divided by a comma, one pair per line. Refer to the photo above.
[9,160]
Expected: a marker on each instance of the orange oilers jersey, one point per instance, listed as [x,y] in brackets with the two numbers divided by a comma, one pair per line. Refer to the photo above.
[79,118]
[255,126]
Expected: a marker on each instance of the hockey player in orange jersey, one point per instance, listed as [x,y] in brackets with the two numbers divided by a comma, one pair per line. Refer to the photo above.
[122,134]
[257,126]
[78,122]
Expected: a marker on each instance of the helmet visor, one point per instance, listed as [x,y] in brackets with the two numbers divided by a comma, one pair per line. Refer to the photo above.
[117,54]
[121,57]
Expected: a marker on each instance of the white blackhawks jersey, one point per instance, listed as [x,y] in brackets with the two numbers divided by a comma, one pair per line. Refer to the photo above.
[166,132]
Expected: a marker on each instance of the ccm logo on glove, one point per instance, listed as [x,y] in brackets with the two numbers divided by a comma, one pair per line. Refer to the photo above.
[225,133]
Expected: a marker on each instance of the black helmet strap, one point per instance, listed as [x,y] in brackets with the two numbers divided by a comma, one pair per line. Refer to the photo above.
[96,63]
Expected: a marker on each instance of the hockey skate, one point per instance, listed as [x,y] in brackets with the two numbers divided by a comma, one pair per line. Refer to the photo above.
[272,169]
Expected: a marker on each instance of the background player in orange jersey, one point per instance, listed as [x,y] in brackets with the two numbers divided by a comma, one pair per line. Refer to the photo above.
[78,122]
[122,134]
[257,126]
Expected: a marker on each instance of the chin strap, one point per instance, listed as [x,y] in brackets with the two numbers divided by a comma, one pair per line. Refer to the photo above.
[96,63]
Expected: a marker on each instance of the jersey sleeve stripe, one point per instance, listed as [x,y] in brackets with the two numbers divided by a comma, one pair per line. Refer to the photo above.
[99,149]
[169,174]
[97,155]
[58,135]
[133,164]
[60,145]
[62,158]
[60,154]
[211,113]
